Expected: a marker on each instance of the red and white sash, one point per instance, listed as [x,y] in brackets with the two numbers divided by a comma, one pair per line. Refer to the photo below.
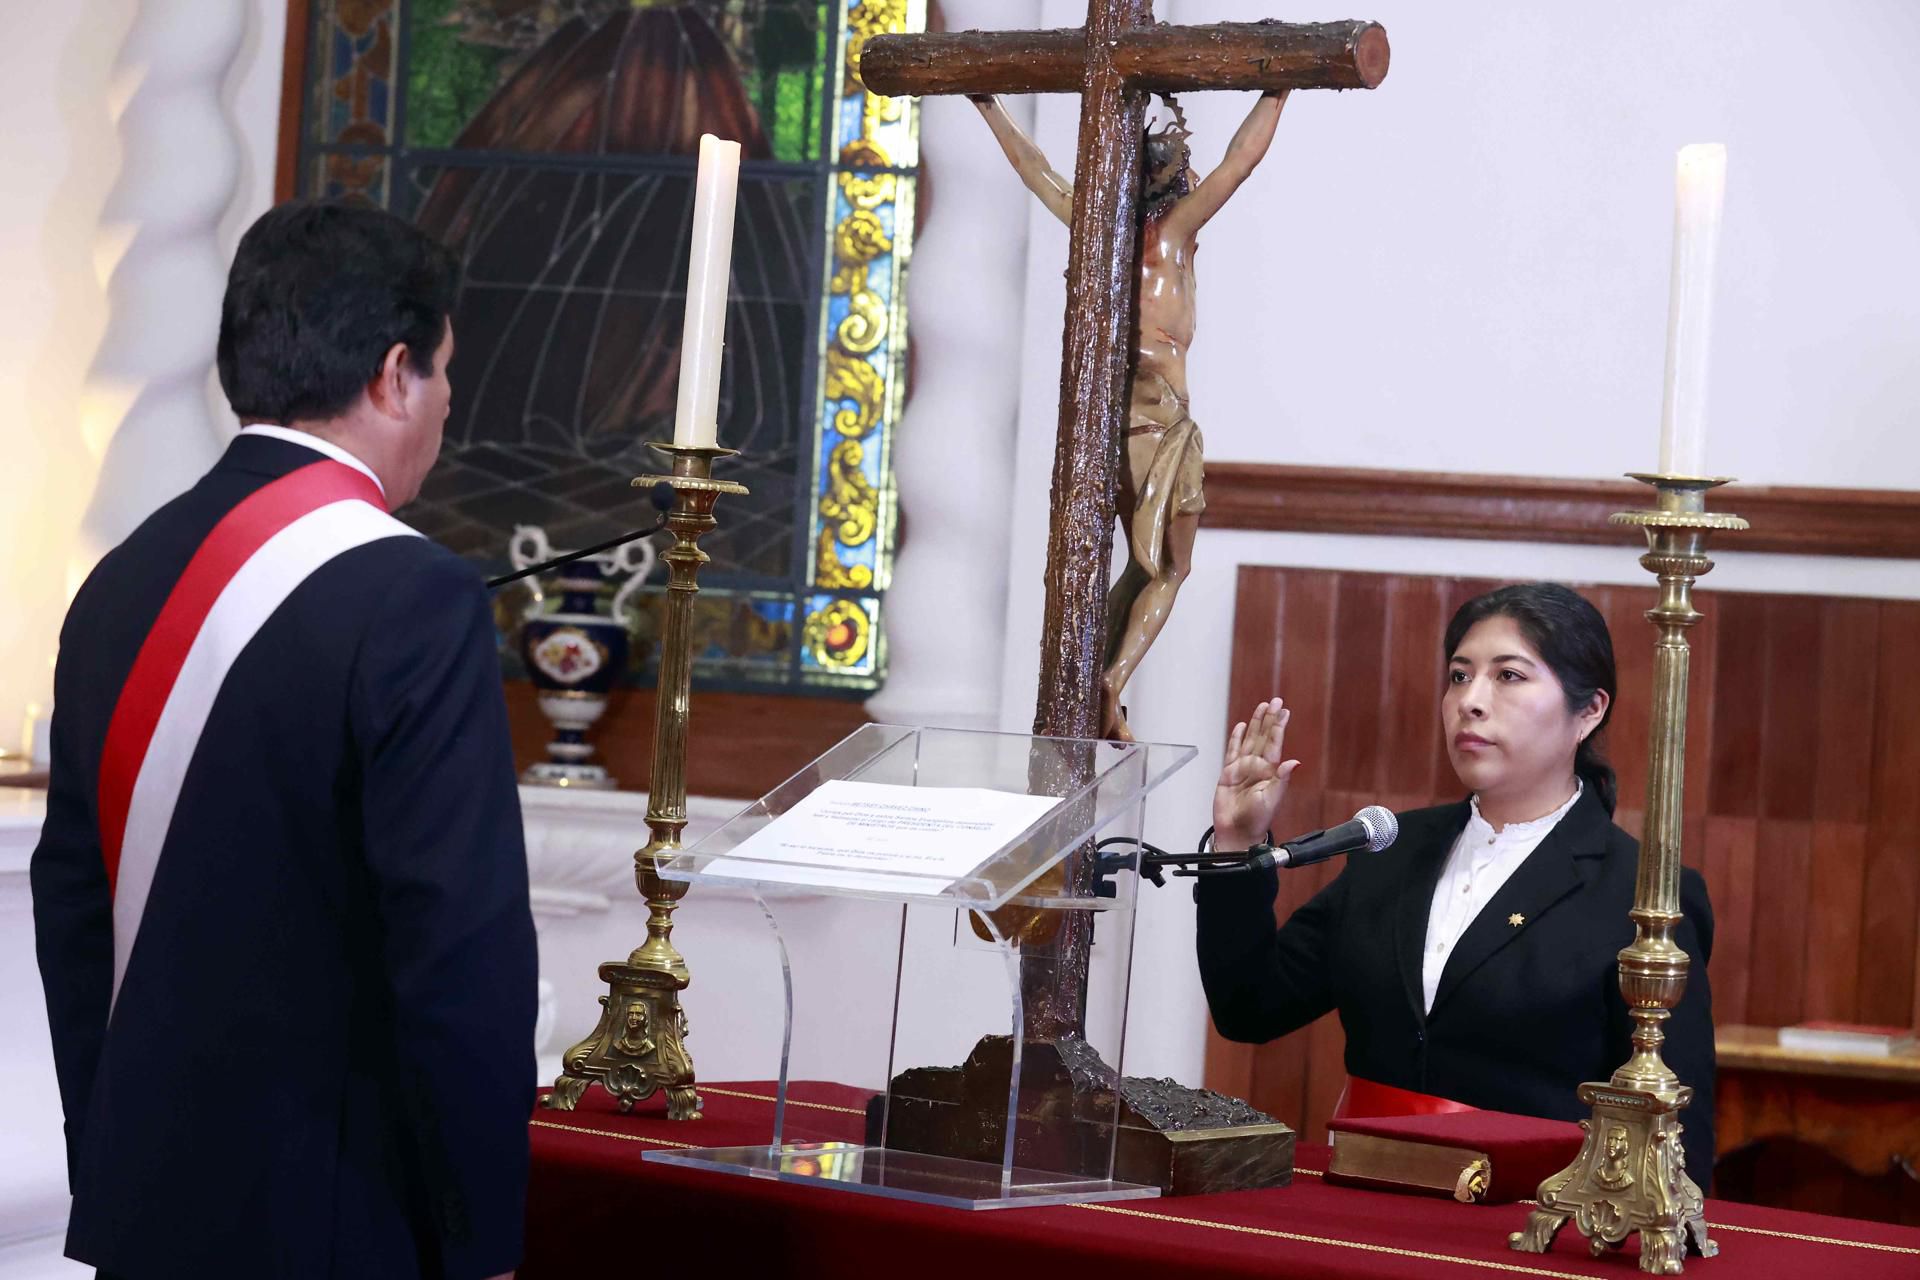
[249,564]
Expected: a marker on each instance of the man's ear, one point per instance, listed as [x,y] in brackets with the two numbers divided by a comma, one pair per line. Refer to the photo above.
[388,390]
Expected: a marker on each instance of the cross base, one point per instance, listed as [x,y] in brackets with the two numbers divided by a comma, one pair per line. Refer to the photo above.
[1630,1175]
[1184,1141]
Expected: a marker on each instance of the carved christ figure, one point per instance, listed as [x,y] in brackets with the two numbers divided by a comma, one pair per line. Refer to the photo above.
[1160,498]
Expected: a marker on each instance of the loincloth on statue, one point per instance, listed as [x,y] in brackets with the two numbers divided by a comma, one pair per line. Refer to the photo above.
[1174,486]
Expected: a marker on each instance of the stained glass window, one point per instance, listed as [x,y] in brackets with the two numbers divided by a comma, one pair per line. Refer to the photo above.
[553,144]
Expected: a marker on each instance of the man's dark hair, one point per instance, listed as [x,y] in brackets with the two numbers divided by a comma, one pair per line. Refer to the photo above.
[1572,639]
[319,292]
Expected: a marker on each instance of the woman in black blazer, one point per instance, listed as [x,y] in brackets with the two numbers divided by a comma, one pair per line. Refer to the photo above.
[1520,1003]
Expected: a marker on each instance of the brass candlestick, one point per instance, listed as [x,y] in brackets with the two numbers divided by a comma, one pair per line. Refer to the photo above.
[1631,1173]
[639,1044]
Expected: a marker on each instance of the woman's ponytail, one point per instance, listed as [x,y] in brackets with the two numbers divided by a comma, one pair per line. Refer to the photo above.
[1590,765]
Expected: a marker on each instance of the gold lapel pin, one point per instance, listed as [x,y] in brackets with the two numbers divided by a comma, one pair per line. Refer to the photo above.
[1516,919]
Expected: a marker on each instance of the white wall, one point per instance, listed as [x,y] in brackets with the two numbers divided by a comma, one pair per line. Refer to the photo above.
[953,455]
[76,81]
[60,157]
[1466,270]
[33,1152]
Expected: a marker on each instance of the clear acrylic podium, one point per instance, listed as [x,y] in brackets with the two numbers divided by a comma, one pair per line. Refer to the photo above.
[910,973]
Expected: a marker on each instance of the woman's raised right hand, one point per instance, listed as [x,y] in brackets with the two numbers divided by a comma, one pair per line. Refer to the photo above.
[1253,778]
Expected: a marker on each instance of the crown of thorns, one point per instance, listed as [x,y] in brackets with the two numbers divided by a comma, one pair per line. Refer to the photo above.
[1174,130]
[1166,158]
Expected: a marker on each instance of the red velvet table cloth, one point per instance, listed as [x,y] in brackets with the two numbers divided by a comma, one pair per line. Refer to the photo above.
[595,1208]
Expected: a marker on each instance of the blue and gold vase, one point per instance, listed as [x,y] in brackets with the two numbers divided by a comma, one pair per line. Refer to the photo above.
[573,657]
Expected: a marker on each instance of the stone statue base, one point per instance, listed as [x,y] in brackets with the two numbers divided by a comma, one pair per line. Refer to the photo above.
[1184,1141]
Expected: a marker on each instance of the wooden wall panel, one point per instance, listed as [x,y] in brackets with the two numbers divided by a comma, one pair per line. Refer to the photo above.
[1893,872]
[1733,846]
[1834,905]
[1375,501]
[1803,781]
[1359,681]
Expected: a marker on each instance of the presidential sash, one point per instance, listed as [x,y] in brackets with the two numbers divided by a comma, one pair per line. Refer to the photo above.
[257,556]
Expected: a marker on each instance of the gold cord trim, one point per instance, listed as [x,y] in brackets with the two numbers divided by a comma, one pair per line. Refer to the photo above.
[1795,1235]
[792,1102]
[1900,1249]
[602,1133]
[1271,1234]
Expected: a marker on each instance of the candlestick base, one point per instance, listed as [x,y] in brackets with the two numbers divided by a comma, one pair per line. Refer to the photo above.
[1630,1175]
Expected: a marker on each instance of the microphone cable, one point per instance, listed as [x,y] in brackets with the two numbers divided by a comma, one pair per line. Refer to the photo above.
[661,496]
[1373,828]
[1118,853]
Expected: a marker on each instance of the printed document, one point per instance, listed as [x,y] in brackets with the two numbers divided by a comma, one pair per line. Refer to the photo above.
[875,836]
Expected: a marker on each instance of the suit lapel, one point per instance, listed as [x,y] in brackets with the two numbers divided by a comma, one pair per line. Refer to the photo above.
[1550,873]
[1428,857]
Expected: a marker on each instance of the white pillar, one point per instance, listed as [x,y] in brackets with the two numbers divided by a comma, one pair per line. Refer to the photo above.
[954,457]
[145,412]
[33,1151]
[59,155]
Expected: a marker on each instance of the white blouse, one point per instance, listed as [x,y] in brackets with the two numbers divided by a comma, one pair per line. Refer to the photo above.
[1481,861]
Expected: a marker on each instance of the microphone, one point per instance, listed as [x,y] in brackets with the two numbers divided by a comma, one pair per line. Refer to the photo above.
[1372,829]
[661,496]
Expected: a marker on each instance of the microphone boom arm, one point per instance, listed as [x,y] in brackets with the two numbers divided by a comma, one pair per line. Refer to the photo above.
[1372,829]
[661,497]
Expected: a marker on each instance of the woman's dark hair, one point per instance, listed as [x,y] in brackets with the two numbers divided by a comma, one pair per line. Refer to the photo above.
[1572,639]
[319,292]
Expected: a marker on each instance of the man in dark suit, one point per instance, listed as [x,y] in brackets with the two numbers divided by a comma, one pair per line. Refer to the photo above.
[281,894]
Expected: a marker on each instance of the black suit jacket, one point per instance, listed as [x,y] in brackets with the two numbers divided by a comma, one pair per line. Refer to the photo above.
[1522,1016]
[320,1062]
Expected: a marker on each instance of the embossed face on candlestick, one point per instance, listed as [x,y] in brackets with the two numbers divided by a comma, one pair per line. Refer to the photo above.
[1508,729]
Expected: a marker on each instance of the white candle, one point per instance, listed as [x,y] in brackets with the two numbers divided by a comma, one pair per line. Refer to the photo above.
[709,264]
[1702,185]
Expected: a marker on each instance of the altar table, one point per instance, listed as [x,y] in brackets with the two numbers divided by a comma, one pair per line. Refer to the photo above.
[595,1209]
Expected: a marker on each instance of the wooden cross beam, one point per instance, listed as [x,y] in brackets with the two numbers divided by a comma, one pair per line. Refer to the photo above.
[1226,55]
[1114,62]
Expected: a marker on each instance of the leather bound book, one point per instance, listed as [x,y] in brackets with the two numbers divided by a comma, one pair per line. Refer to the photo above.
[1473,1156]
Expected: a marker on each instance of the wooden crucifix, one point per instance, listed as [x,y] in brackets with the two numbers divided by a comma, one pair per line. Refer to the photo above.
[1114,62]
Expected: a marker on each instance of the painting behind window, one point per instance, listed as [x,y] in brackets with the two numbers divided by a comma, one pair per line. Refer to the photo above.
[553,144]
